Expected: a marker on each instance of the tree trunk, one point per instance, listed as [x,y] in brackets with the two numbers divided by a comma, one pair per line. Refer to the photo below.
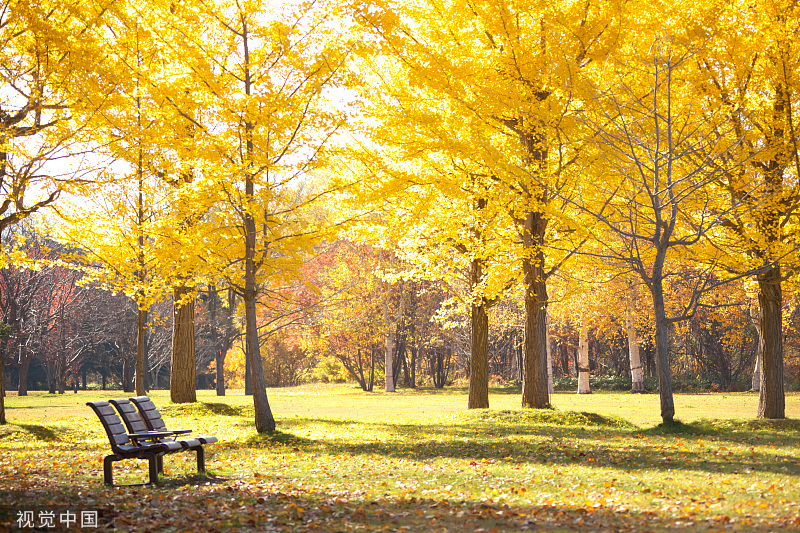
[371,369]
[583,360]
[362,381]
[662,354]
[220,373]
[413,368]
[61,377]
[563,351]
[479,359]
[141,326]
[2,393]
[755,317]
[550,389]
[637,376]
[406,374]
[534,379]
[264,420]
[24,365]
[127,371]
[389,361]
[182,386]
[771,399]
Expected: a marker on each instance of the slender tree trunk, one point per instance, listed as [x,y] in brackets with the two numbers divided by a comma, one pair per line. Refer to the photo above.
[182,386]
[2,394]
[550,389]
[389,355]
[479,359]
[127,373]
[228,336]
[637,376]
[141,353]
[404,366]
[756,381]
[61,377]
[389,361]
[362,381]
[534,382]
[24,365]
[413,368]
[771,400]
[583,360]
[216,340]
[51,378]
[755,317]
[220,373]
[265,422]
[141,389]
[662,354]
[371,369]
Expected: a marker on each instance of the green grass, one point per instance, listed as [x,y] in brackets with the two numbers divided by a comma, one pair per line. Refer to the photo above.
[345,460]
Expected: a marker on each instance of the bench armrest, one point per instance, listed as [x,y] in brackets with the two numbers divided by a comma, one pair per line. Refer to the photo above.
[150,435]
[181,431]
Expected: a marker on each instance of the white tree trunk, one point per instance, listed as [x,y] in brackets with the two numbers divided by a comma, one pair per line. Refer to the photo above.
[637,374]
[755,317]
[583,360]
[389,362]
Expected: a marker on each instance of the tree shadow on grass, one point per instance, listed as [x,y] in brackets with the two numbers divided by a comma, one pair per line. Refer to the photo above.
[269,440]
[206,408]
[587,445]
[38,432]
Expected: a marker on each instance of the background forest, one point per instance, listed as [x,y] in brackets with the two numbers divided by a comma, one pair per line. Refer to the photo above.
[215,193]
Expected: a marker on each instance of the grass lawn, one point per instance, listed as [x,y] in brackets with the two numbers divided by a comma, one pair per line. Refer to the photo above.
[345,460]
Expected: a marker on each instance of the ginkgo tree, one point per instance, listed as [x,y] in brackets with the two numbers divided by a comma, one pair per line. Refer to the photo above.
[510,71]
[431,202]
[752,70]
[48,53]
[258,76]
[661,149]
[133,227]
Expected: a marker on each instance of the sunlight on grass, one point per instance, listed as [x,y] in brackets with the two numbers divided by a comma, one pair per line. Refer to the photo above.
[347,460]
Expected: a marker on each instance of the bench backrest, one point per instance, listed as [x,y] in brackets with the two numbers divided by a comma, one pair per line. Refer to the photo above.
[151,415]
[130,416]
[117,435]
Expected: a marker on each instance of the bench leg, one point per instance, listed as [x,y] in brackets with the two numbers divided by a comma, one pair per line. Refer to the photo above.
[108,468]
[154,461]
[160,464]
[201,460]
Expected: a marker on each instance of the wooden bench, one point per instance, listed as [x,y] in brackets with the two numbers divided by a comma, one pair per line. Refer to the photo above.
[136,425]
[133,445]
